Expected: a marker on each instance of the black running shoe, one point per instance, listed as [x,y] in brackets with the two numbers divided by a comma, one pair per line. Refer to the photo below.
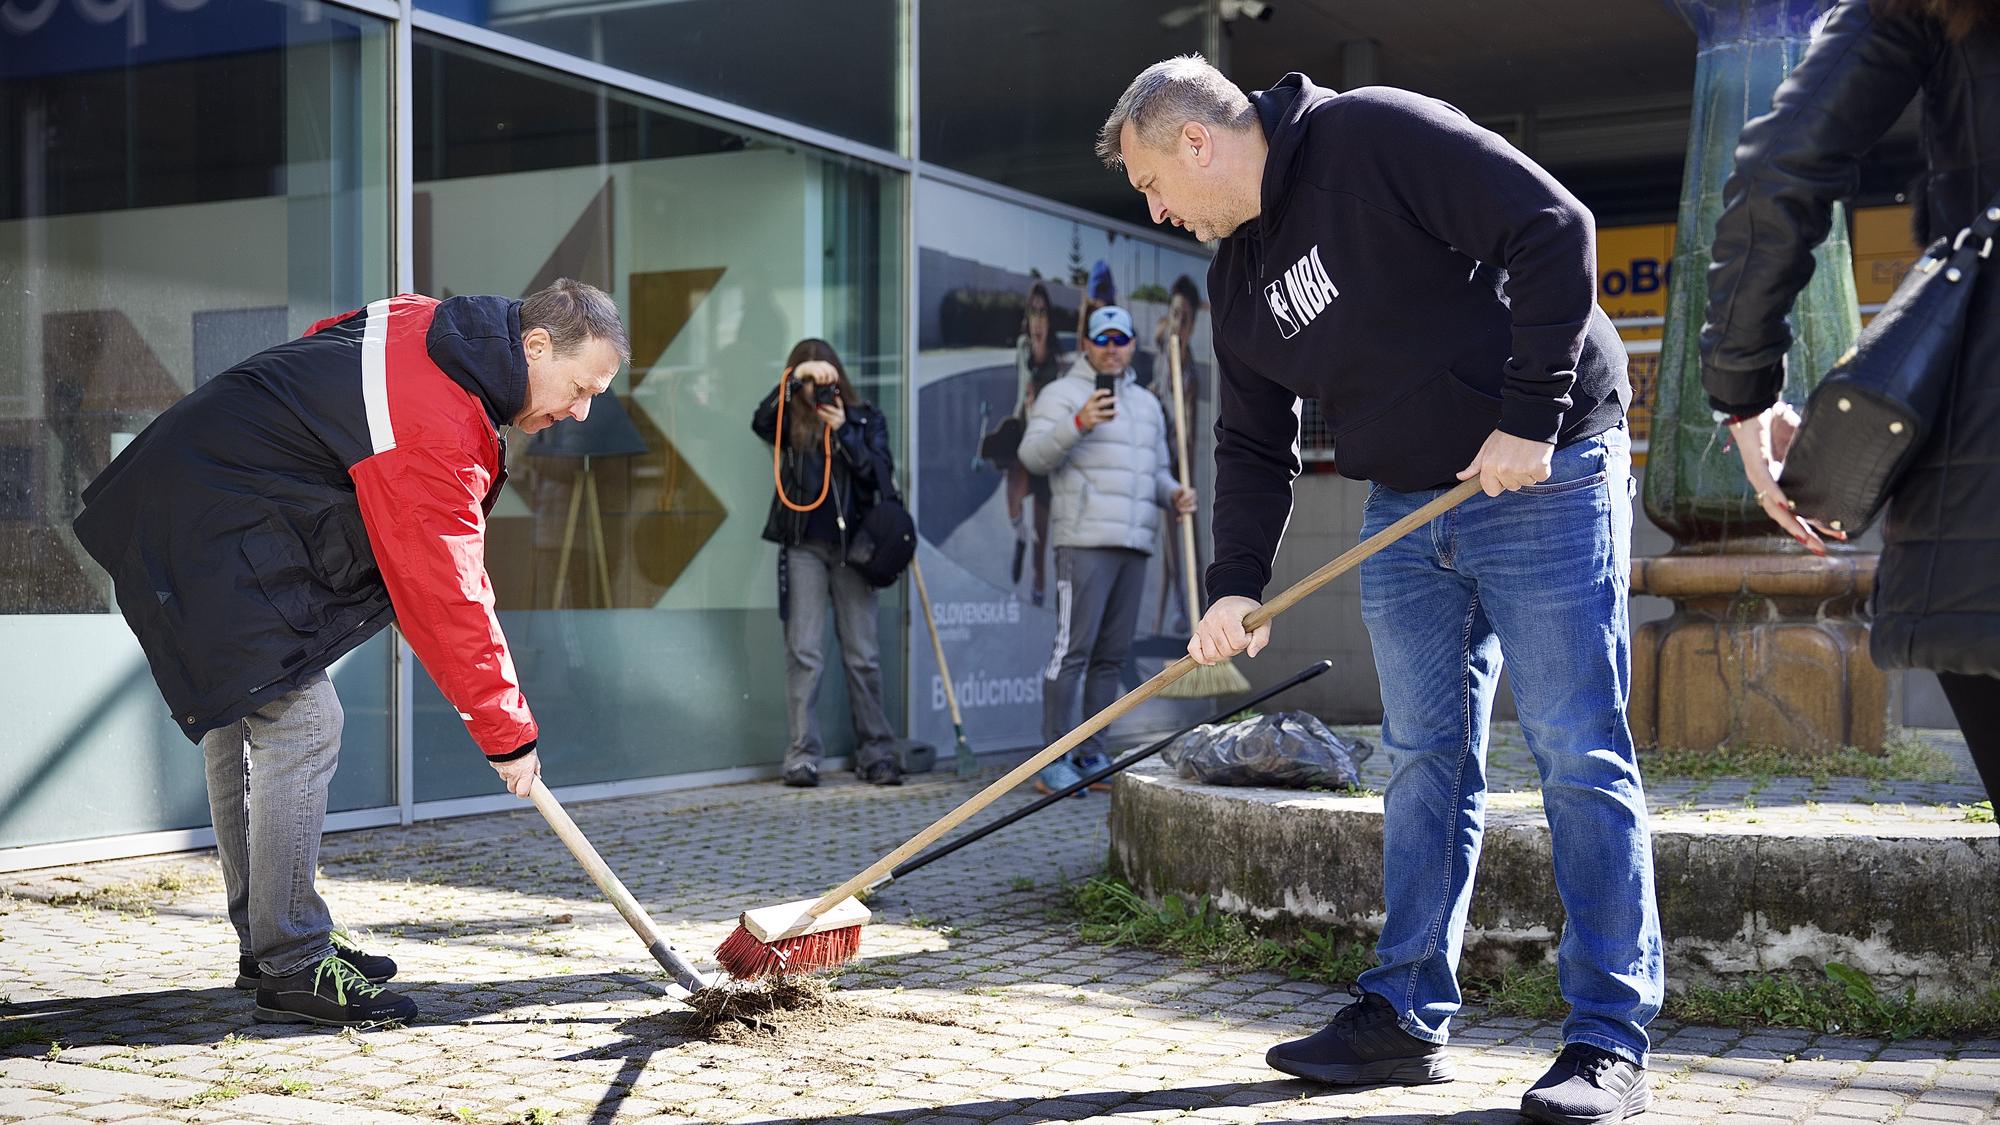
[1587,1086]
[330,992]
[1363,1046]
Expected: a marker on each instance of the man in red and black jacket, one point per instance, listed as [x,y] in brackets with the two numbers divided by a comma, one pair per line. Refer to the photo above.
[282,514]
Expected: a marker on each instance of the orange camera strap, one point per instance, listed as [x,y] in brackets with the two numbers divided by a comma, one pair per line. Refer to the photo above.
[778,452]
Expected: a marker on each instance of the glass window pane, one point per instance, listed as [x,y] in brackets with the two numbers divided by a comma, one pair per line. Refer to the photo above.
[178,189]
[833,66]
[1014,93]
[637,592]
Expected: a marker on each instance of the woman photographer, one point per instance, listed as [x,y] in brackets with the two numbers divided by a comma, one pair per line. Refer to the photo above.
[833,461]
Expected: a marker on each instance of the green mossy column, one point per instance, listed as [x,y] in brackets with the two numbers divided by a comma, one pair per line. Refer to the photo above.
[1765,646]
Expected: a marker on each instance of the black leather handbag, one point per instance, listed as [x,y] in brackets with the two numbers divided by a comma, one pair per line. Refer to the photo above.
[1865,423]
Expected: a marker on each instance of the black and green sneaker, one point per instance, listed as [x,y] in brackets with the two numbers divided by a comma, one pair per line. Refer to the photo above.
[330,992]
[377,969]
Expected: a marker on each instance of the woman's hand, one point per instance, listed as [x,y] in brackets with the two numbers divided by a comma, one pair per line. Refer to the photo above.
[1762,441]
[834,414]
[817,371]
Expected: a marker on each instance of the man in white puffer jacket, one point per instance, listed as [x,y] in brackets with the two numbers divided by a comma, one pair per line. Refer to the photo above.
[1105,454]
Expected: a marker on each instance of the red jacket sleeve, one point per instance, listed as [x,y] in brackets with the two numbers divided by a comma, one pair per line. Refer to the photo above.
[422,509]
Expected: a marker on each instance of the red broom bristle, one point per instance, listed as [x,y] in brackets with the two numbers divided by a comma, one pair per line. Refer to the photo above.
[744,957]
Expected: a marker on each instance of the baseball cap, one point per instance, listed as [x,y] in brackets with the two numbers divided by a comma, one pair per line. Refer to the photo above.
[1109,317]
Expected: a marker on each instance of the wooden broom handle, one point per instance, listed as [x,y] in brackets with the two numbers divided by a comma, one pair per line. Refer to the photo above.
[937,646]
[1186,519]
[607,881]
[1254,620]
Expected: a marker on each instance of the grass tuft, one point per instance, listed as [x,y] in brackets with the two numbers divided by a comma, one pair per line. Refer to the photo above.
[1845,1001]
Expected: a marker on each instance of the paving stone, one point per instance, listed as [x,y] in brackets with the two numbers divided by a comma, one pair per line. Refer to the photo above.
[569,1018]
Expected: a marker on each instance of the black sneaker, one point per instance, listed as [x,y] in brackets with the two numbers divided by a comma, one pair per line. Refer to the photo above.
[1587,1086]
[801,777]
[376,969]
[883,772]
[1363,1046]
[330,992]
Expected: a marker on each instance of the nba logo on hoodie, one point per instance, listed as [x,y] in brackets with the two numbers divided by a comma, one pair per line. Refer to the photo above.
[1301,294]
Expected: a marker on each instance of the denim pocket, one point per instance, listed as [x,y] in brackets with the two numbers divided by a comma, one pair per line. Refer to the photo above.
[1575,467]
[1555,488]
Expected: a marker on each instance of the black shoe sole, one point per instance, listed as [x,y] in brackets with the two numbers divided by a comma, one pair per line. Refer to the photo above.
[279,1015]
[1421,1070]
[1642,1094]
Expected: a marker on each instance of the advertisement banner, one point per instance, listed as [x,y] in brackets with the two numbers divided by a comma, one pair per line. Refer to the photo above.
[982,521]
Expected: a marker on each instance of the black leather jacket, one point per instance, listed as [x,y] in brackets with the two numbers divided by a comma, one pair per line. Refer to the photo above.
[1936,603]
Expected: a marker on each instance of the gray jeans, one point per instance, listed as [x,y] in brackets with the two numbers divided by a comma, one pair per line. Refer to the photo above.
[267,779]
[817,580]
[1097,610]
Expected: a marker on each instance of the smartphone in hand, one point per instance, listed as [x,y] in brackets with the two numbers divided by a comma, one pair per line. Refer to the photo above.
[1109,384]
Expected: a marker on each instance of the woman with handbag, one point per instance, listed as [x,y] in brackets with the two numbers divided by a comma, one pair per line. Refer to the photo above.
[831,466]
[1937,599]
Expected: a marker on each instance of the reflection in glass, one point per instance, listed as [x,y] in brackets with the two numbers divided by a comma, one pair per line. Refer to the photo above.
[1014,93]
[625,554]
[176,192]
[833,66]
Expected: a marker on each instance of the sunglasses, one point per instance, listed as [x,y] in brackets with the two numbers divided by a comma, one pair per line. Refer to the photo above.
[1111,339]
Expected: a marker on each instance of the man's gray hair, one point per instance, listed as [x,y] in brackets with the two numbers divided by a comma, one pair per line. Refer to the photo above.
[574,312]
[1167,95]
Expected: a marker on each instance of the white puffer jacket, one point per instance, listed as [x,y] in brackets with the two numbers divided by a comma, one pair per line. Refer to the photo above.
[1110,484]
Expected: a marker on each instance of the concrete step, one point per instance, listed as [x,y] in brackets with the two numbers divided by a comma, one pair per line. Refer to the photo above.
[1905,894]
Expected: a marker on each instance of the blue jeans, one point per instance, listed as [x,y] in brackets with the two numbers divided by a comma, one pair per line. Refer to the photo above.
[1539,575]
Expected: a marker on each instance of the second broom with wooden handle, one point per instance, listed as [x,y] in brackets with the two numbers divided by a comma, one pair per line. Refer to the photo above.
[806,935]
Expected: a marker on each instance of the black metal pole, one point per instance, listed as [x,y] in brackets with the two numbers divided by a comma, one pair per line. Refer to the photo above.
[1131,759]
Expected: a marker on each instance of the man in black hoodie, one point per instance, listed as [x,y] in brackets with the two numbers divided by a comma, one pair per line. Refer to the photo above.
[283,513]
[1435,291]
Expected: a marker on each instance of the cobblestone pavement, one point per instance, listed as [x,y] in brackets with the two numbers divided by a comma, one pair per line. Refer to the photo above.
[973,1000]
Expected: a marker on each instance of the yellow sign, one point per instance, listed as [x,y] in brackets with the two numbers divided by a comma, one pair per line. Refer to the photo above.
[1633,267]
[1884,250]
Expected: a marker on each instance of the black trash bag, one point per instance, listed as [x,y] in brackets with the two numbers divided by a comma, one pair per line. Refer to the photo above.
[1287,749]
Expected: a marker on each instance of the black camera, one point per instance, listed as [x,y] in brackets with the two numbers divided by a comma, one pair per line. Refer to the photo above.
[822,394]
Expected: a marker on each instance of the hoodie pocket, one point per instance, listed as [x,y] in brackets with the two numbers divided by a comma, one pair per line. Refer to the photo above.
[278,558]
[1422,439]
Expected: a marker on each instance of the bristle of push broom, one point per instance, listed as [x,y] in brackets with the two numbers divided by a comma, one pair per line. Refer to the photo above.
[787,939]
[1207,681]
[743,957]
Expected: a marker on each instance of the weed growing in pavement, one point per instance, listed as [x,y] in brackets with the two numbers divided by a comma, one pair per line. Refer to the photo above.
[1904,758]
[221,1091]
[1845,1002]
[1979,812]
[137,896]
[15,1034]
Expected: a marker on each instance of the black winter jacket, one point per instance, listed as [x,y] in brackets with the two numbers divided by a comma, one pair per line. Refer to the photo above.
[292,506]
[1937,601]
[863,471]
